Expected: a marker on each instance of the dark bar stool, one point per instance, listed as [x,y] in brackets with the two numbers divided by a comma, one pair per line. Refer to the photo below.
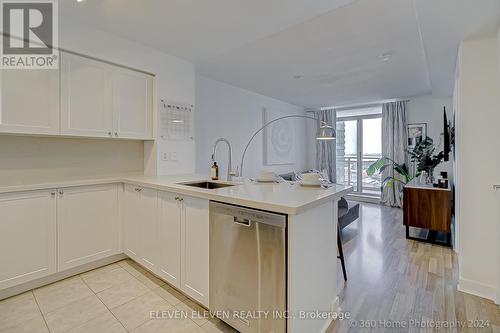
[341,251]
[346,216]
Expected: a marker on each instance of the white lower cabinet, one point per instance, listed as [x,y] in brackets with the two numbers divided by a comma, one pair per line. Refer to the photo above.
[183,244]
[48,231]
[27,236]
[140,225]
[169,234]
[194,249]
[87,224]
[181,241]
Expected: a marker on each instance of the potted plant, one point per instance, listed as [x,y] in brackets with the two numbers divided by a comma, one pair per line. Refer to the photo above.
[425,159]
[401,173]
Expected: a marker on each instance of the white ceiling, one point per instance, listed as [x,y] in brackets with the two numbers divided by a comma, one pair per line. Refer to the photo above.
[335,46]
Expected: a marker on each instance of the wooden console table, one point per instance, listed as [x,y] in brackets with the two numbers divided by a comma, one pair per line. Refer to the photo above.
[427,207]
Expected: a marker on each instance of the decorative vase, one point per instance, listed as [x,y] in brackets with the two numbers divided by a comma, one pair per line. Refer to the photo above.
[423,177]
[430,176]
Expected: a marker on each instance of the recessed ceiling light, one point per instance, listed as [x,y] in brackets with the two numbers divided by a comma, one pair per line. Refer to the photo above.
[385,56]
[80,0]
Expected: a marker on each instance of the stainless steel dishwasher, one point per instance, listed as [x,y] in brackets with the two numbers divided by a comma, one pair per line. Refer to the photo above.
[248,268]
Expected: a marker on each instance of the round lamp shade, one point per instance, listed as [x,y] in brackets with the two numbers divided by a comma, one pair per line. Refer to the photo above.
[326,132]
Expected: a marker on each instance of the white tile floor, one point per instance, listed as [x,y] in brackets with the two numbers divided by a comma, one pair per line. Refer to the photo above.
[112,299]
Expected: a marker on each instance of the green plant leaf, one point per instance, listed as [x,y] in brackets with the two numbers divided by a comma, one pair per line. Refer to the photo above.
[385,166]
[375,166]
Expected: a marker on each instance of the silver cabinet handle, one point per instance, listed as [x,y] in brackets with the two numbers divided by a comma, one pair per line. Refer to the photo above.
[243,222]
[61,192]
[138,189]
[53,193]
[496,187]
[116,134]
[110,134]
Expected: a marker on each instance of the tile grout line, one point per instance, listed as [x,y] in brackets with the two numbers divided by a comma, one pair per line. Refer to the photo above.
[147,288]
[61,306]
[152,291]
[40,309]
[93,294]
[109,310]
[148,291]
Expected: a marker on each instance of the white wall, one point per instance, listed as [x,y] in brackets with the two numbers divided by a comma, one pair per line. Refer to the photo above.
[429,109]
[30,159]
[233,113]
[175,79]
[478,165]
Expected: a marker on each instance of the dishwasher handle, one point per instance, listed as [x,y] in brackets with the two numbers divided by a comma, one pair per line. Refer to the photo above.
[242,222]
[247,216]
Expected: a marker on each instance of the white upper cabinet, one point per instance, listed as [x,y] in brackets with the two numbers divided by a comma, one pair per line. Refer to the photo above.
[103,100]
[169,234]
[132,104]
[86,97]
[87,223]
[29,101]
[27,236]
[195,249]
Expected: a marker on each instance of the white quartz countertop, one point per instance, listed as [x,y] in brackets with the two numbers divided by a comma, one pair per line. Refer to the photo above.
[283,198]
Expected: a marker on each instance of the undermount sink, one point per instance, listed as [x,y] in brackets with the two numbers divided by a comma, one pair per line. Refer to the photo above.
[207,185]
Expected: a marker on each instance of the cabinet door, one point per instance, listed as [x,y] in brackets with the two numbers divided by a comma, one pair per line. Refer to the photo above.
[149,228]
[194,250]
[86,99]
[132,104]
[131,217]
[29,101]
[27,237]
[169,238]
[140,225]
[87,223]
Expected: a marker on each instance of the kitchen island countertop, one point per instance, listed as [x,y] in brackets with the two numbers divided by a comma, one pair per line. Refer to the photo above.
[285,197]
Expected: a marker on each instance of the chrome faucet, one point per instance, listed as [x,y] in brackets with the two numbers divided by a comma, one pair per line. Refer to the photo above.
[230,152]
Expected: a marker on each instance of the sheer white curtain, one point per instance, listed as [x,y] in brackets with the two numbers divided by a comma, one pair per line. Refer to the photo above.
[326,149]
[394,140]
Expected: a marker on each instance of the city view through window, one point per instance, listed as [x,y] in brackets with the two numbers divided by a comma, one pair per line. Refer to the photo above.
[359,144]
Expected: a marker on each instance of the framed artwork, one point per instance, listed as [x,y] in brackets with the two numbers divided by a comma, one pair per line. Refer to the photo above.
[416,134]
[279,145]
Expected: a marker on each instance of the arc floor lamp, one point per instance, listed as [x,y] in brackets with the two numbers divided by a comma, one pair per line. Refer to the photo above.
[325,132]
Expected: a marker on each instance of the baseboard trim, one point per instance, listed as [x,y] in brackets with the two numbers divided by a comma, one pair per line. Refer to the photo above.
[478,289]
[19,289]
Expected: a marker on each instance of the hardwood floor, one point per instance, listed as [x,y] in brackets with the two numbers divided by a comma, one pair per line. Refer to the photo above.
[395,283]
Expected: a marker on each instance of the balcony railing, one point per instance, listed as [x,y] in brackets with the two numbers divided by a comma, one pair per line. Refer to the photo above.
[347,174]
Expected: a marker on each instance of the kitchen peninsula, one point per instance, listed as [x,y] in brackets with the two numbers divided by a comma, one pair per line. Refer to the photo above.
[162,223]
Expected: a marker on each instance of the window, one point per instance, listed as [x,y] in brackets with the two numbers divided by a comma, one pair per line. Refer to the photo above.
[359,144]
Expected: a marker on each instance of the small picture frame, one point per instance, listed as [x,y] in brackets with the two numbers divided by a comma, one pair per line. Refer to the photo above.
[416,134]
